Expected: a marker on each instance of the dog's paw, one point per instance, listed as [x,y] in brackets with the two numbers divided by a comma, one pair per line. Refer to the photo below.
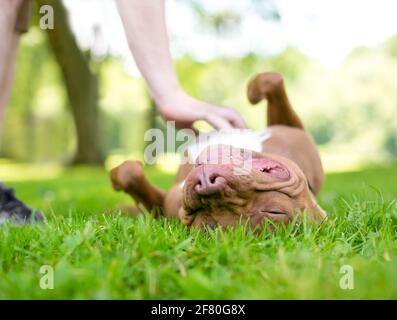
[127,175]
[264,85]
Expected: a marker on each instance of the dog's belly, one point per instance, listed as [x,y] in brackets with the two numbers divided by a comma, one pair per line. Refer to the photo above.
[244,139]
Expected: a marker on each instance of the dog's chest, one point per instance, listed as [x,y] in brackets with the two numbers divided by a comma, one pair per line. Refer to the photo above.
[244,139]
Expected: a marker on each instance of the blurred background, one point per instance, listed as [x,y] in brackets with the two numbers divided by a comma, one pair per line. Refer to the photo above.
[339,60]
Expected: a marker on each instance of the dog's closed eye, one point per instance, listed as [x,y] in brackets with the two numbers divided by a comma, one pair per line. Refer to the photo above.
[275,215]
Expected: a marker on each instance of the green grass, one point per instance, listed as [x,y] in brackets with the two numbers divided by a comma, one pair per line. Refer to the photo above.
[104,256]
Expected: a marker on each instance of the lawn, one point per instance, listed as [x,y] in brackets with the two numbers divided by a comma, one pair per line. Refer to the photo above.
[97,255]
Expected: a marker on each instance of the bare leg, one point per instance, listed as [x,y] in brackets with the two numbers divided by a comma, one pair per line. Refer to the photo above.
[270,85]
[130,178]
[14,19]
[9,39]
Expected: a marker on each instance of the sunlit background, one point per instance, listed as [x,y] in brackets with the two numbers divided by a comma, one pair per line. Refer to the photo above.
[339,59]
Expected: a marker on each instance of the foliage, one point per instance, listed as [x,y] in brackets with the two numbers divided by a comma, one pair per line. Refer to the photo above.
[227,20]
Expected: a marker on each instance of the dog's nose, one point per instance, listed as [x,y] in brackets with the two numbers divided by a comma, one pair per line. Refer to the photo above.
[209,181]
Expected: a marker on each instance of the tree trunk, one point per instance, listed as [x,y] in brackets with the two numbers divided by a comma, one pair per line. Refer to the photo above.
[81,85]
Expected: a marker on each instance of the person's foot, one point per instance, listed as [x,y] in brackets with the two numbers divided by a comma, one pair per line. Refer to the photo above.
[14,210]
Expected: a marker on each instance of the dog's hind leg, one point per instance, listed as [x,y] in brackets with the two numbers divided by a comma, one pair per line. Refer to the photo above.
[270,86]
[129,177]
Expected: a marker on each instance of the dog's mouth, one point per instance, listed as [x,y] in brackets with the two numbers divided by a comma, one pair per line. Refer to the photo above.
[247,159]
[271,167]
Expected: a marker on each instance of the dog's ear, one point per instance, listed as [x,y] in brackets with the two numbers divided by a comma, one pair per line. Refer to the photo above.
[317,213]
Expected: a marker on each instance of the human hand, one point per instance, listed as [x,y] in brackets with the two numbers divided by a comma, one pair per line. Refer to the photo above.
[185,110]
[145,27]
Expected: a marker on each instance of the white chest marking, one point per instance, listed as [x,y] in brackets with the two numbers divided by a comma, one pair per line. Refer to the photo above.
[244,139]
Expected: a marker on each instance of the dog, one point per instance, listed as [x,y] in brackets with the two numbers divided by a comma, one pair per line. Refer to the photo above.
[274,174]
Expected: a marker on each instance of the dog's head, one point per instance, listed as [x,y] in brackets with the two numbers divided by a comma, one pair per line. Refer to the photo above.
[229,186]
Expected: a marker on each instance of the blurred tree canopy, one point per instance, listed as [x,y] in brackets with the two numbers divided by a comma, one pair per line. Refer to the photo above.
[227,20]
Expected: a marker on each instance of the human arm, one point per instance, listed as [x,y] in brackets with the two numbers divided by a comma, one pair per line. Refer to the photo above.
[145,28]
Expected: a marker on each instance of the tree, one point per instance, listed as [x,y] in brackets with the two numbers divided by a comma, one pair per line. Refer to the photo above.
[80,82]
[228,19]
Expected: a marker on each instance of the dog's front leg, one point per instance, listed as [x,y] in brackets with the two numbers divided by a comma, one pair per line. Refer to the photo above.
[129,177]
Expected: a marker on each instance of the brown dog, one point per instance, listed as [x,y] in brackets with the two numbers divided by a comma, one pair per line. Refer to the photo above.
[283,175]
